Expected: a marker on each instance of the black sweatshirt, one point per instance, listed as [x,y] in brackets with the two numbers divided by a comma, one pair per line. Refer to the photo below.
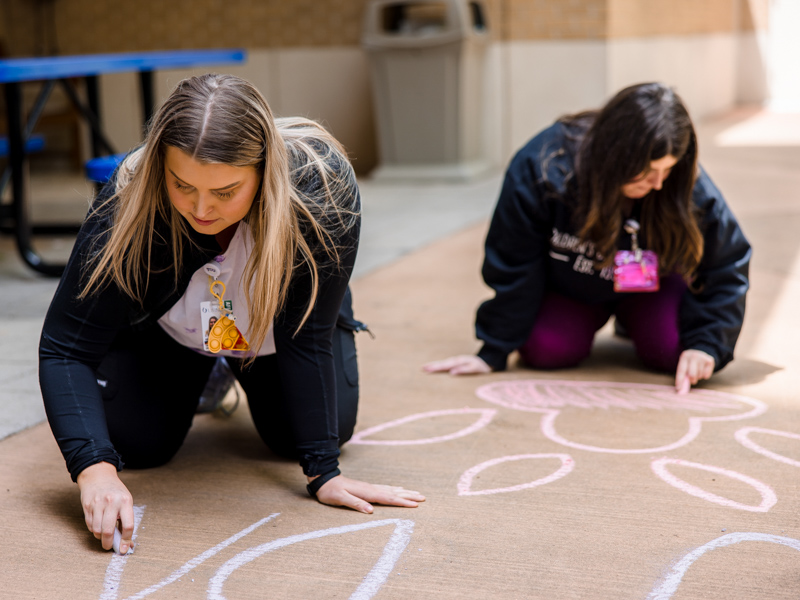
[78,333]
[532,246]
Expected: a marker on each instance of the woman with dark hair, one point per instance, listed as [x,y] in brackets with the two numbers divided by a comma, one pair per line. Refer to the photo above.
[225,221]
[608,213]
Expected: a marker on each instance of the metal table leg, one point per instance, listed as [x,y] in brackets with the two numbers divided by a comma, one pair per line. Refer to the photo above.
[16,159]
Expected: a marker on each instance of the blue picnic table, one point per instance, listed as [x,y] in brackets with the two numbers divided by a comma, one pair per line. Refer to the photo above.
[60,70]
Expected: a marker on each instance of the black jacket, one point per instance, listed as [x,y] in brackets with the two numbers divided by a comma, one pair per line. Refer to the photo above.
[532,246]
[78,333]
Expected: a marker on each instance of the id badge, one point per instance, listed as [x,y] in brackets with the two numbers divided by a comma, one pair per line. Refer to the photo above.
[636,271]
[209,315]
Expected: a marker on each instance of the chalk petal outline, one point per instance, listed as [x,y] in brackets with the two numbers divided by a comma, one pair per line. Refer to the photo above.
[549,415]
[117,563]
[370,585]
[669,583]
[487,414]
[465,483]
[743,437]
[768,497]
[114,572]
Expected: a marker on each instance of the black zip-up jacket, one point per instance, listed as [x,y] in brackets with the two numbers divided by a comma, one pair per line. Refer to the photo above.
[78,333]
[532,246]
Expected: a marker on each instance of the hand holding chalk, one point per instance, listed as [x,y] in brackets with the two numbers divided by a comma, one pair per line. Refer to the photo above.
[115,544]
[685,386]
[107,506]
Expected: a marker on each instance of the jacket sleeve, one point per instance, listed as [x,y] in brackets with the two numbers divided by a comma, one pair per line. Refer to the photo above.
[514,264]
[305,357]
[711,319]
[75,337]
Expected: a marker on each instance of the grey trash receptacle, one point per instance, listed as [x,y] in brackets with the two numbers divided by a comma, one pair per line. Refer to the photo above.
[427,68]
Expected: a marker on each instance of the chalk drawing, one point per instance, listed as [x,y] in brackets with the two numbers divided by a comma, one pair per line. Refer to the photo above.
[465,483]
[768,497]
[486,415]
[668,585]
[743,437]
[117,563]
[550,396]
[371,583]
[368,588]
[188,566]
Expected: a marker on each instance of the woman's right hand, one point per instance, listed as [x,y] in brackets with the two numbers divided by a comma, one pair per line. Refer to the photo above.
[465,364]
[106,500]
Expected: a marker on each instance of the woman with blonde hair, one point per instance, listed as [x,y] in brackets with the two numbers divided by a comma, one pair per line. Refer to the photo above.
[224,221]
[604,213]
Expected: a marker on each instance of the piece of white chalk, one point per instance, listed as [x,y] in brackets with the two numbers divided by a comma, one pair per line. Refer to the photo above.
[116,542]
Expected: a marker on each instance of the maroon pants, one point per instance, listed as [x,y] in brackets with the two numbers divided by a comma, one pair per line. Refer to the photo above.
[564,330]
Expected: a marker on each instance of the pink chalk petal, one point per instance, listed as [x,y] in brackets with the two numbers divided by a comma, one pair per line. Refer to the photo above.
[486,415]
[465,483]
[768,497]
[549,397]
[743,437]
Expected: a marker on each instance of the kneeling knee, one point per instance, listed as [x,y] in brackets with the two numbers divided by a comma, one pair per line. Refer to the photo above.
[146,460]
[559,355]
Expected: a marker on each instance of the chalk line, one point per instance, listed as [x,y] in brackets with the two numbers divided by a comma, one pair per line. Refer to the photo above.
[669,584]
[391,553]
[487,414]
[117,563]
[548,397]
[188,566]
[371,583]
[465,483]
[743,437]
[768,497]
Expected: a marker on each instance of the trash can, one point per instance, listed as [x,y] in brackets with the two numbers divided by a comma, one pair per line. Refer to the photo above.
[427,69]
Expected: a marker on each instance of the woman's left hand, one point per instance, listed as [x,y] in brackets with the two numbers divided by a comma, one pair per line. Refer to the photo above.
[358,495]
[693,365]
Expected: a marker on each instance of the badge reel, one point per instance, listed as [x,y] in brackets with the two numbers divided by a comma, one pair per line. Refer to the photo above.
[223,335]
[635,270]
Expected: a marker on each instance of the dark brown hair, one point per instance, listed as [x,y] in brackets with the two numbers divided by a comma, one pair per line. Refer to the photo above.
[640,124]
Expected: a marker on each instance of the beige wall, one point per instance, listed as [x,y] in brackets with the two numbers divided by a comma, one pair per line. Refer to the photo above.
[547,57]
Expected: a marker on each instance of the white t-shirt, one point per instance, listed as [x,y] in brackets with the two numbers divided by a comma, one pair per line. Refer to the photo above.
[187,322]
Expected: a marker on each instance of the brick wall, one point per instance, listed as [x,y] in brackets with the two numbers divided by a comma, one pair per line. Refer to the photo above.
[552,19]
[88,26]
[85,26]
[754,15]
[638,18]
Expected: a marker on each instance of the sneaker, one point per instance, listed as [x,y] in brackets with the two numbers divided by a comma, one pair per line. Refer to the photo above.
[221,383]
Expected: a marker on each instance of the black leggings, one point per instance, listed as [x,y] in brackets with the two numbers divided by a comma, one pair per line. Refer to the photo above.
[151,386]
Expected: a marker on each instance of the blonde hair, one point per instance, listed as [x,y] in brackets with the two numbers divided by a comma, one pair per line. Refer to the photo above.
[307,187]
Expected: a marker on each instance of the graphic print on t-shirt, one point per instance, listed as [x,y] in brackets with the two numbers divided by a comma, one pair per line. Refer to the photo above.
[585,252]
